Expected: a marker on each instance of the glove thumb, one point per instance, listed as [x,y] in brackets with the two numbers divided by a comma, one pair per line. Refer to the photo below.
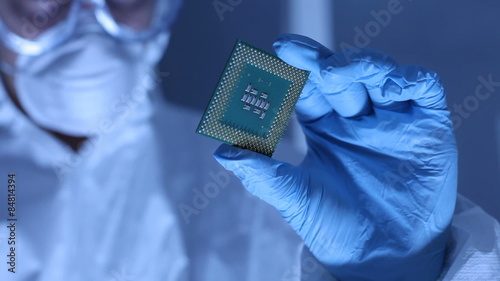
[276,182]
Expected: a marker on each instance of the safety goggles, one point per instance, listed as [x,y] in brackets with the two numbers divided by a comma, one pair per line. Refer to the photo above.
[33,27]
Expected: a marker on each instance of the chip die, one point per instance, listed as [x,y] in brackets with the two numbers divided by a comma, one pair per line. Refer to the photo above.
[253,101]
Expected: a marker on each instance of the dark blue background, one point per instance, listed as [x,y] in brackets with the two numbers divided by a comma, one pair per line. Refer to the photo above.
[460,40]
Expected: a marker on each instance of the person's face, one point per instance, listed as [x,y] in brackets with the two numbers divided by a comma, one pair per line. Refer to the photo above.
[30,18]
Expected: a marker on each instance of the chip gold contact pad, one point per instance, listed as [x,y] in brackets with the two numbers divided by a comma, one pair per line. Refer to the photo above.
[253,101]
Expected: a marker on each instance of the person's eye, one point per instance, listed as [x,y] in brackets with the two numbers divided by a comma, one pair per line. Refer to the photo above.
[136,14]
[29,18]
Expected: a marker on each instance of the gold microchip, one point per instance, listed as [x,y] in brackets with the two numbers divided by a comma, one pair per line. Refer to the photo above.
[253,102]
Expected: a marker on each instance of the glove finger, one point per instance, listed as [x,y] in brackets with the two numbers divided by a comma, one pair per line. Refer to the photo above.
[311,104]
[305,53]
[365,66]
[351,77]
[351,102]
[416,84]
[378,100]
[339,77]
[273,181]
[301,52]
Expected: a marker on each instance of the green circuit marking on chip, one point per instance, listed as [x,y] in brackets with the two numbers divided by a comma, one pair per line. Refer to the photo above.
[252,110]
[253,101]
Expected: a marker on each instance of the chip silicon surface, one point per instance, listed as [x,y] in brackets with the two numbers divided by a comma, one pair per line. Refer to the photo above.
[254,100]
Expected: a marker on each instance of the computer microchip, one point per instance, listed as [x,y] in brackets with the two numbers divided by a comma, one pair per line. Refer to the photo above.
[254,100]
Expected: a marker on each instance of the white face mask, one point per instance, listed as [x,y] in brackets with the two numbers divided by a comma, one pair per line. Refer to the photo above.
[72,89]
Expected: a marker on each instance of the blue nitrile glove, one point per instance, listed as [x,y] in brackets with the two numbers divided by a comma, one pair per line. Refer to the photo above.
[374,197]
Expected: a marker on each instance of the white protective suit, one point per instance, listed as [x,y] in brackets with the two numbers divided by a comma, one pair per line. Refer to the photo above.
[147,201]
[112,210]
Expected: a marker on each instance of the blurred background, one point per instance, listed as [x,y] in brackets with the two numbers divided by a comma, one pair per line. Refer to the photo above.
[457,39]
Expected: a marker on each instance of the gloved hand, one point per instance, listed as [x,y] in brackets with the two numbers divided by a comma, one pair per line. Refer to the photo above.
[374,197]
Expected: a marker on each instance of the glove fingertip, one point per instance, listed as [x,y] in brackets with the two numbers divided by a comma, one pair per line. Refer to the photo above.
[226,151]
[226,154]
[235,159]
[301,51]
